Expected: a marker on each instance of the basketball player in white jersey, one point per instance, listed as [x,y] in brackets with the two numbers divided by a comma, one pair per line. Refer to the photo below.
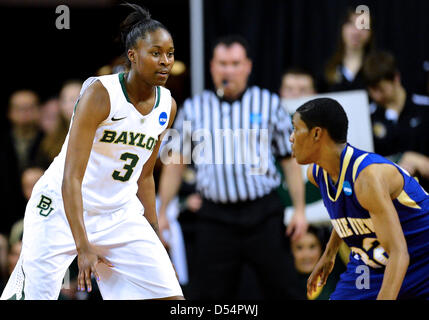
[91,200]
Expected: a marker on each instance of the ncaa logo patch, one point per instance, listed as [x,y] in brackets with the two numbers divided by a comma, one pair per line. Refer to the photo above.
[347,188]
[163,118]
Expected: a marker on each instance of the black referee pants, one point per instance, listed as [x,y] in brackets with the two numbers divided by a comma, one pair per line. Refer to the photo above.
[225,244]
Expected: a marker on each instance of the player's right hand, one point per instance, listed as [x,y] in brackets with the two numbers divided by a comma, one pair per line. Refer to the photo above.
[87,259]
[320,274]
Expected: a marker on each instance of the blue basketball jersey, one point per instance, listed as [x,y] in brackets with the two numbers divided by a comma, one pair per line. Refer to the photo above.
[353,223]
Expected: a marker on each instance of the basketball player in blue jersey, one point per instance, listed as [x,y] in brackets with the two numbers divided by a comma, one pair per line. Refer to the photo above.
[97,198]
[380,211]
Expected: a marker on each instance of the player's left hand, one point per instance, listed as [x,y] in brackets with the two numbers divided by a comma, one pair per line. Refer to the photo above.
[320,273]
[87,260]
[297,226]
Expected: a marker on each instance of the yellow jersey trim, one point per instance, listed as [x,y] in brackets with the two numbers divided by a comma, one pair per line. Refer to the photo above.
[346,162]
[405,199]
[356,165]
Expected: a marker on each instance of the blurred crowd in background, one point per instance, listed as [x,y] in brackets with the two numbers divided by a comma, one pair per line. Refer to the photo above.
[400,122]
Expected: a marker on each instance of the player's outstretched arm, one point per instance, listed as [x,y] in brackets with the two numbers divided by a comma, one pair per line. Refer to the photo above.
[325,264]
[375,188]
[92,109]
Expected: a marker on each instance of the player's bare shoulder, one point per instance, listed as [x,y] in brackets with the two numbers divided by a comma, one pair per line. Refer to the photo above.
[380,175]
[96,95]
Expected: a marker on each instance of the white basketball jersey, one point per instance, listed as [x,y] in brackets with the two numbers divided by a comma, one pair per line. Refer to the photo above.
[123,143]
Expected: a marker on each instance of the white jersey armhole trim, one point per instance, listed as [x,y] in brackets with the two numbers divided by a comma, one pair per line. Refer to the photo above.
[90,81]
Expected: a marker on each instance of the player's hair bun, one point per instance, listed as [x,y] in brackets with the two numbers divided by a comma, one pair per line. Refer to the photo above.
[136,25]
[139,15]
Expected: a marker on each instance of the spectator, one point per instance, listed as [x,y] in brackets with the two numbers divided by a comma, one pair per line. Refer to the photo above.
[344,69]
[297,83]
[241,219]
[400,123]
[15,245]
[16,232]
[49,115]
[117,65]
[53,141]
[12,246]
[13,255]
[68,97]
[306,252]
[20,147]
[29,178]
[422,95]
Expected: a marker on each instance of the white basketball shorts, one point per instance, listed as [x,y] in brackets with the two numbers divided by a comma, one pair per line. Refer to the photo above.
[141,269]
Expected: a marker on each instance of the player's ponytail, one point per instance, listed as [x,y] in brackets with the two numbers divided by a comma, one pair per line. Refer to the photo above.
[136,25]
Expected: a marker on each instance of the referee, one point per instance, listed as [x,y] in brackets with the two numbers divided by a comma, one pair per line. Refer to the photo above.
[244,130]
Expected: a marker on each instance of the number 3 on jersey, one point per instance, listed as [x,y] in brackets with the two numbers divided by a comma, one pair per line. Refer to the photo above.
[128,167]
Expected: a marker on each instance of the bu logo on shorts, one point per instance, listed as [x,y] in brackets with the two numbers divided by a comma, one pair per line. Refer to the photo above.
[45,206]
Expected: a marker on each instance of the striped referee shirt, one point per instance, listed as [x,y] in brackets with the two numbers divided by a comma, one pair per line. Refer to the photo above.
[233,145]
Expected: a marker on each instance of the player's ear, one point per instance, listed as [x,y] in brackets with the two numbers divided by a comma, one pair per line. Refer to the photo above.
[317,133]
[131,55]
